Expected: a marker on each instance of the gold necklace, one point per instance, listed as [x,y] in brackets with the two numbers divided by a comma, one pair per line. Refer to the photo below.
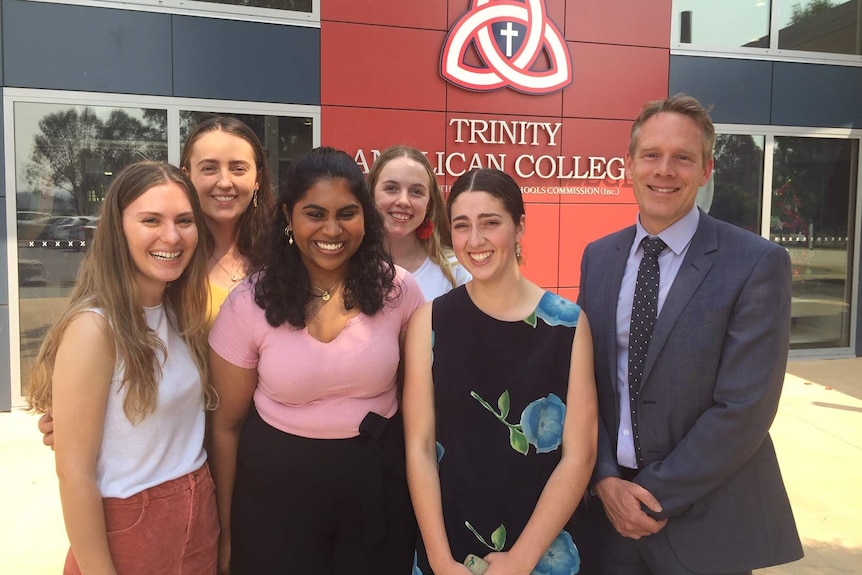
[325,294]
[234,277]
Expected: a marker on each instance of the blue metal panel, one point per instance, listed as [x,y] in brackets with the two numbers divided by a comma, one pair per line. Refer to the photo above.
[737,90]
[231,60]
[817,95]
[65,47]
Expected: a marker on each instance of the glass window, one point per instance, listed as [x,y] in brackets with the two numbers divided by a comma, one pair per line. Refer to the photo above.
[65,159]
[727,24]
[738,180]
[295,5]
[820,26]
[283,137]
[814,189]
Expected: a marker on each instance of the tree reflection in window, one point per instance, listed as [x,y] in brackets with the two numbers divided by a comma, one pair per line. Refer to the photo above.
[78,150]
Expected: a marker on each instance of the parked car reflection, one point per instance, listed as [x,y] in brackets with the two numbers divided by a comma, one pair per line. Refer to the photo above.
[32,273]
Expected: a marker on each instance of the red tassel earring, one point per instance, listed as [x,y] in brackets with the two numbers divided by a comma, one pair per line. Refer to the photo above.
[425,229]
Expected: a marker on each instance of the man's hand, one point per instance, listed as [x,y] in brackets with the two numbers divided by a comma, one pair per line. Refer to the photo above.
[622,501]
[46,427]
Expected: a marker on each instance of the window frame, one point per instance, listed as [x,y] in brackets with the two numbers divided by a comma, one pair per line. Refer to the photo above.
[208,9]
[172,105]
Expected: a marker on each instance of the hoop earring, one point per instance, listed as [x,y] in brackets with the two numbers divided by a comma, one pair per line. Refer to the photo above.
[289,233]
[254,199]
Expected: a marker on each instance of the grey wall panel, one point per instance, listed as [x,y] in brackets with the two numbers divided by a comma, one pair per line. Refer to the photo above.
[2,79]
[738,90]
[817,95]
[65,47]
[5,359]
[5,366]
[4,264]
[230,60]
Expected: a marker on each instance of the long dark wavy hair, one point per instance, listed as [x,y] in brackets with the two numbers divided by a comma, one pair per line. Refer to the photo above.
[283,286]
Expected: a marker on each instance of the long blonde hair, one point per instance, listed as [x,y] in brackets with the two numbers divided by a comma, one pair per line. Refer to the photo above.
[107,281]
[439,245]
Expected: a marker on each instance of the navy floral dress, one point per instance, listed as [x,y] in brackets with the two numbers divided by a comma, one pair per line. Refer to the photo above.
[500,392]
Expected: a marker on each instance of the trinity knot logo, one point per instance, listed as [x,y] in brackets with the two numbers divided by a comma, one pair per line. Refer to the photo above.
[516,46]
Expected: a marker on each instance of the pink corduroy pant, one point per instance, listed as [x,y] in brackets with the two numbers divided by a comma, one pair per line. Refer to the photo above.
[170,529]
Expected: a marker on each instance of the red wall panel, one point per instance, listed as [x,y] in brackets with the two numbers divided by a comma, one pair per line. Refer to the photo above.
[351,129]
[614,81]
[427,14]
[381,67]
[606,139]
[540,246]
[581,224]
[634,23]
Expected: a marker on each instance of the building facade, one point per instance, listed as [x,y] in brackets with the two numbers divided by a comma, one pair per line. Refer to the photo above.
[543,89]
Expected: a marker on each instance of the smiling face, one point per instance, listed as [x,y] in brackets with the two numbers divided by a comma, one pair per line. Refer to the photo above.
[328,226]
[666,169]
[484,234]
[222,167]
[161,234]
[402,193]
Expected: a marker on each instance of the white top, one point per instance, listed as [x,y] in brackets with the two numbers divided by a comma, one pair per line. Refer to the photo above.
[433,283]
[167,443]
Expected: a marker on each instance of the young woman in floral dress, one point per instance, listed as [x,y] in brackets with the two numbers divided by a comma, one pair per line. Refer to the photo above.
[499,403]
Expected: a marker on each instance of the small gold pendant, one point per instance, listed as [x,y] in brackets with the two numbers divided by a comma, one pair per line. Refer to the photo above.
[326,296]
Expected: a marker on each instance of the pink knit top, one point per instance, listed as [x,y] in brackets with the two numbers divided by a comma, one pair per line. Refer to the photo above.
[313,389]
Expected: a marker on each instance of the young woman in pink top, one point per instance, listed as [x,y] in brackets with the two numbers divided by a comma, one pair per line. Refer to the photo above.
[307,446]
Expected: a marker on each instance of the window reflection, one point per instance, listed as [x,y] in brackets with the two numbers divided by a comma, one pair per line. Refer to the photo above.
[820,26]
[814,186]
[738,180]
[65,158]
[826,26]
[295,5]
[727,24]
[283,137]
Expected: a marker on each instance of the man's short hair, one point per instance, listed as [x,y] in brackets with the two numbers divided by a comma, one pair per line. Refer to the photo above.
[678,104]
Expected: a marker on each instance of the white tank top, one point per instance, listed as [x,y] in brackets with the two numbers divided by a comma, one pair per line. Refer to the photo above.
[165,444]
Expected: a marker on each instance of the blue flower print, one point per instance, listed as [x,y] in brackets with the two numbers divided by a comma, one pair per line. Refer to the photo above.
[440,451]
[556,310]
[416,569]
[542,423]
[561,558]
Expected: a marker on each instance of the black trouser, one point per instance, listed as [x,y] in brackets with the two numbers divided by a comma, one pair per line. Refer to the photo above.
[322,506]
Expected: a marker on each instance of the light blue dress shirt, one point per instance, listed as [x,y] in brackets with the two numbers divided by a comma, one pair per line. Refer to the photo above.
[678,238]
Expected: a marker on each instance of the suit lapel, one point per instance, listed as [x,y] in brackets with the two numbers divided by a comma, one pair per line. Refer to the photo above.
[693,270]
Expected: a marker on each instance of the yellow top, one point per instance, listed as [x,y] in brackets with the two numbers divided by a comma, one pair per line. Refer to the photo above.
[217,295]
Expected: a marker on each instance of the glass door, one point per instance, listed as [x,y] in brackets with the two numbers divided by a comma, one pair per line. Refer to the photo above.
[813,216]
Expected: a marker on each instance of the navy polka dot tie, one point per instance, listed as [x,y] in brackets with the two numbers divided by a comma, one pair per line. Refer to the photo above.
[644,311]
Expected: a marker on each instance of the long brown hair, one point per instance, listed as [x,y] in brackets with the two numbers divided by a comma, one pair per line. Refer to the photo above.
[254,222]
[439,245]
[107,281]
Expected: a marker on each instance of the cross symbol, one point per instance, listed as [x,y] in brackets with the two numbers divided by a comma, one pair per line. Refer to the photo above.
[509,33]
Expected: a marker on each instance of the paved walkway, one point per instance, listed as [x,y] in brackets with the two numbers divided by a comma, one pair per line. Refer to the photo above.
[818,435]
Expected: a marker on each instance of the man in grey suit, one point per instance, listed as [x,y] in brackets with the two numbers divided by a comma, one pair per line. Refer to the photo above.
[686,470]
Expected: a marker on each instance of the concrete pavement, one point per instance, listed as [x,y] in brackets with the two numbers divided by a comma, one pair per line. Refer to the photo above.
[817,432]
